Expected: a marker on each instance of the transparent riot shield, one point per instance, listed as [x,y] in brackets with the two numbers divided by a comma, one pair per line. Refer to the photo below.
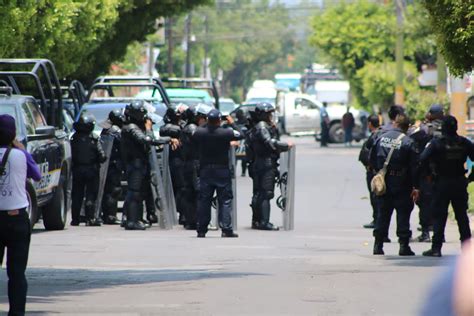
[233,171]
[165,221]
[286,202]
[168,185]
[107,142]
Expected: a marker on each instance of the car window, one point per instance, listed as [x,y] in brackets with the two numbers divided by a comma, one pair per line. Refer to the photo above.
[28,118]
[309,104]
[37,116]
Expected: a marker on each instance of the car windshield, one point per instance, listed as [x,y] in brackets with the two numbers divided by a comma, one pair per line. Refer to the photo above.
[10,110]
[226,107]
[260,100]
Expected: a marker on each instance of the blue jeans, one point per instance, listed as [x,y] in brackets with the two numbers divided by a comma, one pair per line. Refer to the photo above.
[348,135]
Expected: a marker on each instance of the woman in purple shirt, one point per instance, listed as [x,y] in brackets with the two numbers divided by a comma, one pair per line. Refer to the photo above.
[16,165]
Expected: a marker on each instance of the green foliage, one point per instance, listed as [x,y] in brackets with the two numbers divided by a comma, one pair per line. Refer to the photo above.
[81,37]
[349,36]
[453,23]
[419,101]
[378,82]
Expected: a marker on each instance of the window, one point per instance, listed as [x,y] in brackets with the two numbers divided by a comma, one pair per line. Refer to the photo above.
[308,104]
[37,116]
[29,119]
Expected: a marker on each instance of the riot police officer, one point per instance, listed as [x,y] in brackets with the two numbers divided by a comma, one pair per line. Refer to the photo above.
[214,142]
[87,155]
[195,116]
[421,135]
[173,128]
[401,184]
[250,158]
[137,139]
[266,149]
[448,154]
[113,187]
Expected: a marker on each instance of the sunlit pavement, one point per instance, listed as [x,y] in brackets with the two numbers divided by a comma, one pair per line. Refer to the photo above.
[323,267]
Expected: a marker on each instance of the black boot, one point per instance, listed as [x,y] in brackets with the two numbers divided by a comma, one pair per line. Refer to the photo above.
[267,226]
[93,222]
[369,225]
[378,248]
[255,224]
[435,251]
[424,237]
[135,226]
[405,249]
[152,218]
[229,234]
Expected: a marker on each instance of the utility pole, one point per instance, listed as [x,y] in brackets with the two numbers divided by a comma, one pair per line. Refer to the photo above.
[399,89]
[442,75]
[188,46]
[169,36]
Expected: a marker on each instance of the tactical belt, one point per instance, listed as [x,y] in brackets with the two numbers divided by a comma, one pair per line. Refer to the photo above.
[214,166]
[21,211]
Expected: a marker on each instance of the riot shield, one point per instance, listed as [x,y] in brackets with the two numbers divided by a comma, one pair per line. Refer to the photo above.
[107,142]
[233,171]
[158,191]
[168,185]
[286,202]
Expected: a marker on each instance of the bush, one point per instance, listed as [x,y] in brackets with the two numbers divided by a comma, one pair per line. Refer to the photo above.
[419,101]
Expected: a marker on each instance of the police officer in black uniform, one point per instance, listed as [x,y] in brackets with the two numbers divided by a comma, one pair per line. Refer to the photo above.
[87,155]
[421,135]
[401,184]
[214,142]
[266,148]
[250,158]
[173,128]
[448,154]
[364,158]
[113,187]
[137,141]
[195,116]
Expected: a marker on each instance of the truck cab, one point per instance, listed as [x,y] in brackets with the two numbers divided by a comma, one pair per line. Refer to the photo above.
[39,127]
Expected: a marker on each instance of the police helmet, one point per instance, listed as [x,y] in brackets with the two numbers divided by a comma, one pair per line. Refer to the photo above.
[203,109]
[190,114]
[116,117]
[85,123]
[136,111]
[263,111]
[449,126]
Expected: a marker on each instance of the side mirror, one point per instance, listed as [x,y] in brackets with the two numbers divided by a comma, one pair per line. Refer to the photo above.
[43,132]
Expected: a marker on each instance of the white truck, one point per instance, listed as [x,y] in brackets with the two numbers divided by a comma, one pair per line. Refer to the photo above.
[299,114]
[262,91]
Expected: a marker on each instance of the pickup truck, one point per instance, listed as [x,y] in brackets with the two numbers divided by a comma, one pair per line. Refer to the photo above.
[299,113]
[39,118]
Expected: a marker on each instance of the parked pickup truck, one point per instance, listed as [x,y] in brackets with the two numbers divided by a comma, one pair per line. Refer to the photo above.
[299,113]
[30,92]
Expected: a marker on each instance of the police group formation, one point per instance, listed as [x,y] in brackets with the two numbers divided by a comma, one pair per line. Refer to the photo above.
[422,164]
[200,140]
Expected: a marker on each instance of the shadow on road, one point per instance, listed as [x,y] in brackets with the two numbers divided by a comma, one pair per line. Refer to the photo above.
[46,284]
[419,261]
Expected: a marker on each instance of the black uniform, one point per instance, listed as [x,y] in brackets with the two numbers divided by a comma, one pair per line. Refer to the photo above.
[136,144]
[448,154]
[176,167]
[401,178]
[421,136]
[87,155]
[267,149]
[215,175]
[190,156]
[364,158]
[113,187]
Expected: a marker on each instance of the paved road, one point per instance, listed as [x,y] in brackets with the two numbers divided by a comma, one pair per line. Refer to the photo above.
[323,267]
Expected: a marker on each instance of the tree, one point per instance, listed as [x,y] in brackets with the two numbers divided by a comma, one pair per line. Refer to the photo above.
[349,36]
[452,22]
[81,37]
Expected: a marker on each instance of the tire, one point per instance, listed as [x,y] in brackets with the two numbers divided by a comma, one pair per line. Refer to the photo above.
[336,133]
[32,209]
[55,212]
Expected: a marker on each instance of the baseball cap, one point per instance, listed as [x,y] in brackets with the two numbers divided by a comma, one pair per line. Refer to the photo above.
[214,114]
[436,109]
[7,126]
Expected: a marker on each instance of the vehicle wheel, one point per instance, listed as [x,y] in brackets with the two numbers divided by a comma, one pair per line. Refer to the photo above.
[32,209]
[55,212]
[336,133]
